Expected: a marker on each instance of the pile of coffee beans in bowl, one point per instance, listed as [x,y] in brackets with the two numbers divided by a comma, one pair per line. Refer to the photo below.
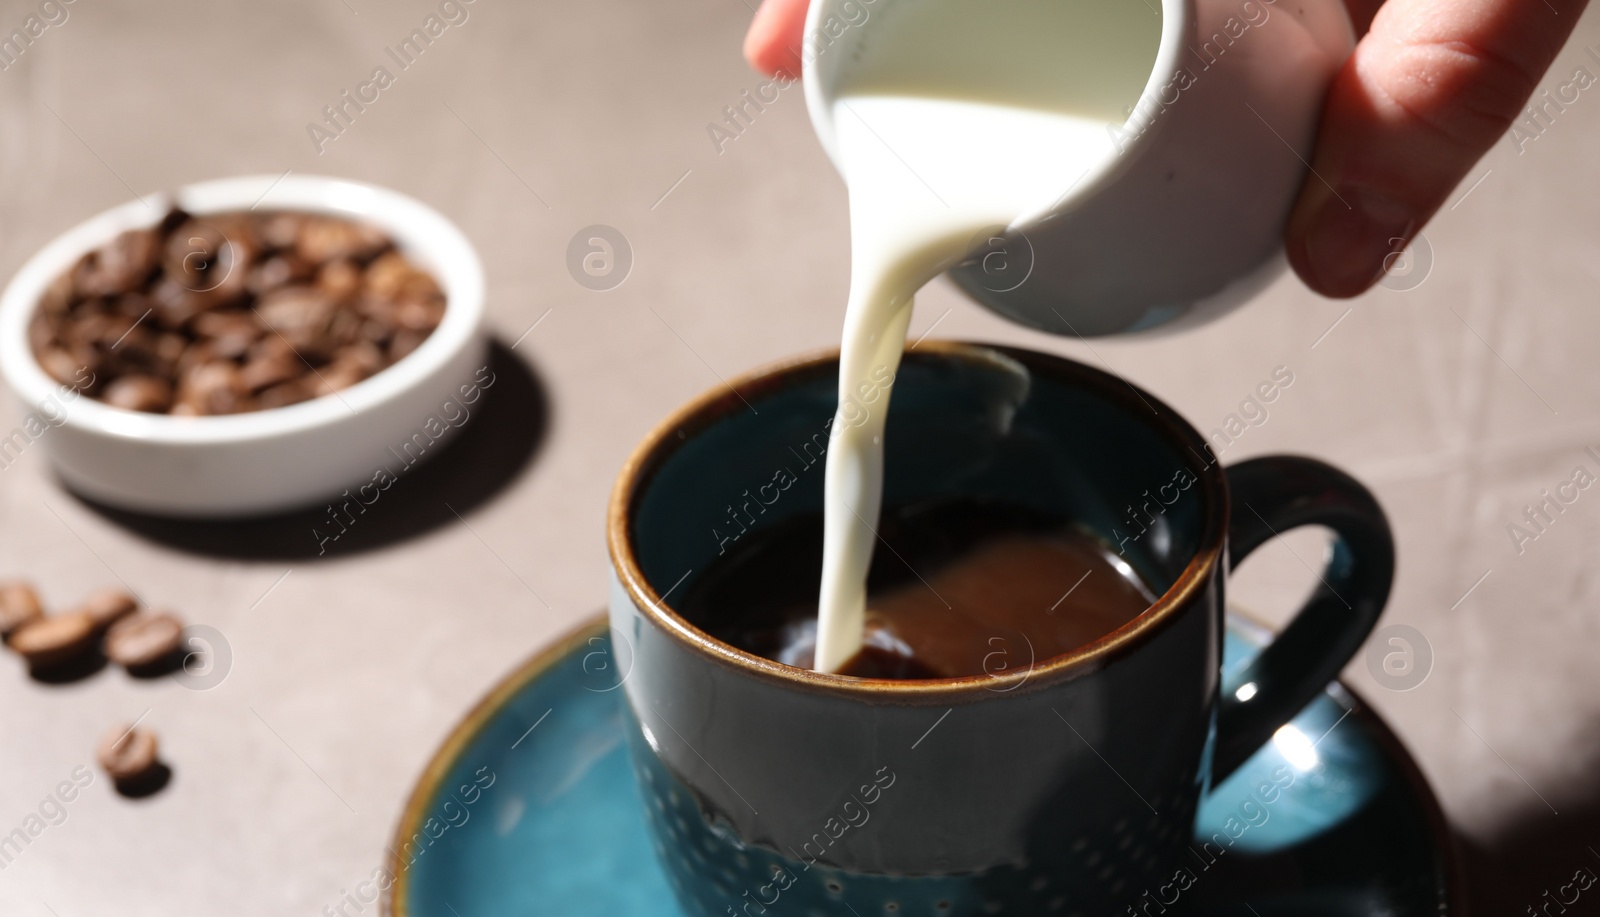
[233,312]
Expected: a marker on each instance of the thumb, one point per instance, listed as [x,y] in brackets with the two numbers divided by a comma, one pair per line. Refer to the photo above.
[1427,92]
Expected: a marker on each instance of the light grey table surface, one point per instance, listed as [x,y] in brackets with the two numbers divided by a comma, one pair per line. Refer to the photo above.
[1457,400]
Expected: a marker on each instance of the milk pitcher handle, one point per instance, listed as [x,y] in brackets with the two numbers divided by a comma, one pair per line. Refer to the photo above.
[1269,496]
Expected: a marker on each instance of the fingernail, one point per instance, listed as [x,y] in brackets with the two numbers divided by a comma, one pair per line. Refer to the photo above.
[1352,238]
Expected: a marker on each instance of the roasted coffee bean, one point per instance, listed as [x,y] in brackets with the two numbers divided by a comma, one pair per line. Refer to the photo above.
[118,330]
[136,305]
[375,331]
[120,265]
[350,365]
[143,639]
[328,238]
[169,349]
[59,365]
[393,277]
[41,331]
[196,353]
[91,328]
[377,309]
[280,230]
[299,314]
[345,329]
[127,753]
[211,258]
[286,393]
[56,639]
[19,605]
[176,304]
[264,372]
[137,352]
[272,346]
[58,296]
[213,387]
[107,606]
[404,342]
[222,323]
[336,377]
[278,271]
[201,252]
[230,332]
[362,354]
[339,279]
[139,393]
[419,315]
[232,312]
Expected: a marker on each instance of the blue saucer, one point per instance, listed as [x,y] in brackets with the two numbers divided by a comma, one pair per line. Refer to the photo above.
[530,807]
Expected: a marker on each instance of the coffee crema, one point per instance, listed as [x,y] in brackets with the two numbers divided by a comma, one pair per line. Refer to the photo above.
[965,587]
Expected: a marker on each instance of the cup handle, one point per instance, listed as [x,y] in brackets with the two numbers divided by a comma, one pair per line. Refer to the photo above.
[1267,497]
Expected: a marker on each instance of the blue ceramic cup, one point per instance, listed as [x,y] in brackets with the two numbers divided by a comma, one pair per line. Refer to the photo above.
[1066,786]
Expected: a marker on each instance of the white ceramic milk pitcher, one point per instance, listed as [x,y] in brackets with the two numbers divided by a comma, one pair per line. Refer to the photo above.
[1186,221]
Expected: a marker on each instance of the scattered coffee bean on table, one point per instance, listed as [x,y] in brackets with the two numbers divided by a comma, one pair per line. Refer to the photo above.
[111,619]
[127,753]
[19,605]
[56,639]
[144,639]
[107,606]
[233,312]
[107,618]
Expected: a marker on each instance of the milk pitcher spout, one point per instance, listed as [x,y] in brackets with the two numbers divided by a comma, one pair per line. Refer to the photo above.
[1184,221]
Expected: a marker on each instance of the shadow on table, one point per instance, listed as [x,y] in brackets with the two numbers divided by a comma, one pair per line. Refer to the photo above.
[488,454]
[1529,863]
[148,783]
[81,666]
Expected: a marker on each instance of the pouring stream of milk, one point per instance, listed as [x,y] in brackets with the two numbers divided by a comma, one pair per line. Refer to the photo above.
[963,117]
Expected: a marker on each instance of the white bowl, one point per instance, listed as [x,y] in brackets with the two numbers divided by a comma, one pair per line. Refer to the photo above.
[262,461]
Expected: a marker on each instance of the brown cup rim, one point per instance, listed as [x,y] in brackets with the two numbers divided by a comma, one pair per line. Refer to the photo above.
[712,406]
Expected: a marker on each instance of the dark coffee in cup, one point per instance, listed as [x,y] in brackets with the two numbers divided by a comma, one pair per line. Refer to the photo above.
[961,586]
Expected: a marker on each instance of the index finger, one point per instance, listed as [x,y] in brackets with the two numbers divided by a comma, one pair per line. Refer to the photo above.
[773,42]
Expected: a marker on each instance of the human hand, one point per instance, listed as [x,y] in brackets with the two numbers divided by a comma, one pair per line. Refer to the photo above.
[1430,88]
